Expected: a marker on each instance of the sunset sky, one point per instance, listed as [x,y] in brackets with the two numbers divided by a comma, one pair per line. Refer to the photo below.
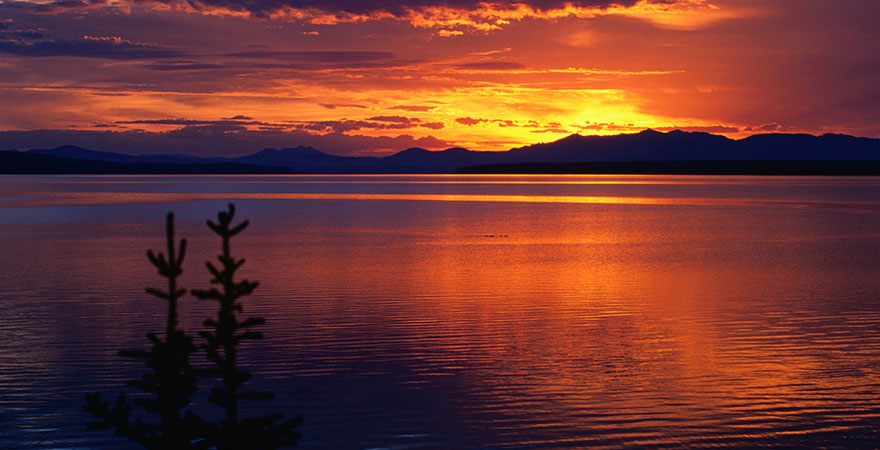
[230,77]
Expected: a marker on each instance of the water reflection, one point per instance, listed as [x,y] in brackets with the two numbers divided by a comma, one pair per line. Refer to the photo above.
[730,316]
[43,199]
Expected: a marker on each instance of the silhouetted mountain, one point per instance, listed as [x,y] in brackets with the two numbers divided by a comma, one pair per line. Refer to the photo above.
[287,155]
[679,152]
[648,146]
[308,159]
[35,163]
[419,160]
[704,167]
[311,160]
[828,147]
[179,159]
[411,160]
[72,151]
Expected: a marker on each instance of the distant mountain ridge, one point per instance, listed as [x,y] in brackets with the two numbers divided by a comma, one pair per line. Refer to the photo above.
[648,145]
[676,145]
[12,162]
[75,152]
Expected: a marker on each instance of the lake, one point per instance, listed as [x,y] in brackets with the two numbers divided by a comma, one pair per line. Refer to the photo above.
[468,311]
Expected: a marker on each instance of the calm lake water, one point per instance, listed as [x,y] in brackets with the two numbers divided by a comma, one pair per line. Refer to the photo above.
[469,311]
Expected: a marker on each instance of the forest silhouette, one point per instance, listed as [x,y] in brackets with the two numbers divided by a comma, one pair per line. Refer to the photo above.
[161,416]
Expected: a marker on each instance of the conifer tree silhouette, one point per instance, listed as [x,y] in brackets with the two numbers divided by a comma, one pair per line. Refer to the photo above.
[223,337]
[171,381]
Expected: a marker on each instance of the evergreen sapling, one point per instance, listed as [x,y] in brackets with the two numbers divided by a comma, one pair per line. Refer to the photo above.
[170,382]
[223,336]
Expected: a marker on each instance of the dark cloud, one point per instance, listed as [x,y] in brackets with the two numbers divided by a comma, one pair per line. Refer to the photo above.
[191,127]
[248,68]
[265,8]
[27,34]
[220,129]
[184,66]
[491,65]
[318,60]
[413,108]
[371,123]
[324,57]
[335,126]
[397,8]
[470,121]
[237,120]
[408,108]
[505,123]
[52,7]
[772,127]
[37,43]
[393,119]
[342,105]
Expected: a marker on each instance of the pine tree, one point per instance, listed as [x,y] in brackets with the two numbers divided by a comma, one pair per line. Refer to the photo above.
[170,382]
[223,336]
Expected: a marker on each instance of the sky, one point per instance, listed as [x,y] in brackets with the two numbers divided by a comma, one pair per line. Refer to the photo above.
[349,77]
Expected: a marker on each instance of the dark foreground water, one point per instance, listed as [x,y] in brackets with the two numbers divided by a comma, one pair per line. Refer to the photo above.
[469,312]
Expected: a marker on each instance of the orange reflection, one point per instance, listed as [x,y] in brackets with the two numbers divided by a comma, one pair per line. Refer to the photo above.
[99,198]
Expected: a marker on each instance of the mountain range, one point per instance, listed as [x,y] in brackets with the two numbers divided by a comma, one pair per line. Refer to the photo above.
[672,152]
